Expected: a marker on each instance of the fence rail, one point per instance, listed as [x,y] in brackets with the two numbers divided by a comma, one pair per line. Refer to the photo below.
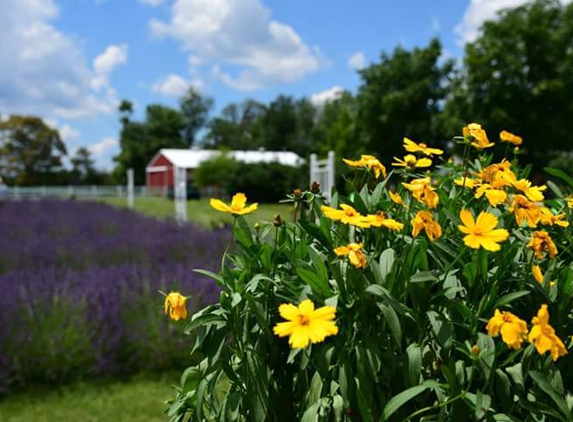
[94,191]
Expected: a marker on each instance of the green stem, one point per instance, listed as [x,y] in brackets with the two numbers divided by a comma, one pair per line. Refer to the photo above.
[230,242]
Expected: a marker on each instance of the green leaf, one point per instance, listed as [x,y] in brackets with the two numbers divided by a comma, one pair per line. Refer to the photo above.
[422,276]
[318,284]
[560,174]
[393,322]
[315,390]
[386,262]
[510,297]
[211,274]
[414,364]
[204,317]
[548,389]
[405,396]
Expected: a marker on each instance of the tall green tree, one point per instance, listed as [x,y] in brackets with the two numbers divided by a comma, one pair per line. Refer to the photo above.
[30,150]
[83,165]
[402,96]
[195,110]
[278,126]
[518,76]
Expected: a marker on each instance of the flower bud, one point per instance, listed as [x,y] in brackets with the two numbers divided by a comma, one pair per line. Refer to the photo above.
[475,350]
[297,193]
[315,187]
[278,220]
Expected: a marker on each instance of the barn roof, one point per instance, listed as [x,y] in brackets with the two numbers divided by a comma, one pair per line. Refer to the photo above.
[192,158]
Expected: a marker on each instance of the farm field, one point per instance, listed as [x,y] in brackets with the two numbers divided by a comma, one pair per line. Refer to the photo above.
[199,212]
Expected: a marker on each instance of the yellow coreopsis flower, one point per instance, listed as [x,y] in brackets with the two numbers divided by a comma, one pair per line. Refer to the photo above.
[525,210]
[467,182]
[543,336]
[550,219]
[370,162]
[498,174]
[237,207]
[175,304]
[380,220]
[423,191]
[412,146]
[482,232]
[494,196]
[478,135]
[424,220]
[346,215]
[395,197]
[354,253]
[569,201]
[513,329]
[411,162]
[542,243]
[506,136]
[533,193]
[305,324]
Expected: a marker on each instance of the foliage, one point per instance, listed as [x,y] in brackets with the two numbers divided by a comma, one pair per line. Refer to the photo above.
[195,112]
[78,282]
[29,150]
[218,171]
[412,304]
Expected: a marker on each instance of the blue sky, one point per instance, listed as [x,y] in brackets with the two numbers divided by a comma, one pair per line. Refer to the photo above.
[71,61]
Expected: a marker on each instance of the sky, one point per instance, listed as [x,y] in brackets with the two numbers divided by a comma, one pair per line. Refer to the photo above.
[72,61]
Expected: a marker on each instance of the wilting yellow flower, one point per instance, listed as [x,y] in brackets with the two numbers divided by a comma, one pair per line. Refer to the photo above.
[541,242]
[498,174]
[513,329]
[538,275]
[411,146]
[467,182]
[237,207]
[379,220]
[482,231]
[411,162]
[569,201]
[354,253]
[395,197]
[478,136]
[305,324]
[423,191]
[346,215]
[550,219]
[533,193]
[175,305]
[424,220]
[543,336]
[506,136]
[370,162]
[494,196]
[524,209]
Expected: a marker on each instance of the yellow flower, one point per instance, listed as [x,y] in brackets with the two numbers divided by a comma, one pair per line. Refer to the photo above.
[498,174]
[569,201]
[354,252]
[423,191]
[305,324]
[550,219]
[541,242]
[538,275]
[175,305]
[379,220]
[424,220]
[506,136]
[347,215]
[482,232]
[411,162]
[533,193]
[237,207]
[513,329]
[524,209]
[395,197]
[411,146]
[543,336]
[494,196]
[370,162]
[478,135]
[467,182]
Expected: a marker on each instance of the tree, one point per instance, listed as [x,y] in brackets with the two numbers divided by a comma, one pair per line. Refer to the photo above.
[278,125]
[83,166]
[517,76]
[195,112]
[401,96]
[29,150]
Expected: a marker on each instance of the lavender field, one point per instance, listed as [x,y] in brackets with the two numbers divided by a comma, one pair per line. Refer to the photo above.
[78,290]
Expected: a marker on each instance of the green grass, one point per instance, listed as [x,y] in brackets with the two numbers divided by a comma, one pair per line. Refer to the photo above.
[141,399]
[199,211]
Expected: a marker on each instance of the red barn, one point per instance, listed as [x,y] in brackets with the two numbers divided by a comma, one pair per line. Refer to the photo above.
[160,170]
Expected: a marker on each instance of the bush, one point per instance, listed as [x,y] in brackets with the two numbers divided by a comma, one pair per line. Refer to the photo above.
[420,335]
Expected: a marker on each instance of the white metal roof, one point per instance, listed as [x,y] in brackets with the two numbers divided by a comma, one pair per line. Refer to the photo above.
[192,158]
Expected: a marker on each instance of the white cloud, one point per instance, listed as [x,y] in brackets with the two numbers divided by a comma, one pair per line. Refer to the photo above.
[175,86]
[68,133]
[242,34]
[479,11]
[113,56]
[153,3]
[44,72]
[436,24]
[330,94]
[357,60]
[103,147]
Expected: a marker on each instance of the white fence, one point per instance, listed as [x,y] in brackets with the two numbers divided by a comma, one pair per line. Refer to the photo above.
[94,191]
[322,171]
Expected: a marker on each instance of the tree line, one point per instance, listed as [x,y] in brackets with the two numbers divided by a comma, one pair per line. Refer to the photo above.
[518,75]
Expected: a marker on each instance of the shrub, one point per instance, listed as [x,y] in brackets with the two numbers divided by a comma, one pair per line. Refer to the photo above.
[441,292]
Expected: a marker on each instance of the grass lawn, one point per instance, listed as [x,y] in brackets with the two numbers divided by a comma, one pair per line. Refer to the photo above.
[199,211]
[138,400]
